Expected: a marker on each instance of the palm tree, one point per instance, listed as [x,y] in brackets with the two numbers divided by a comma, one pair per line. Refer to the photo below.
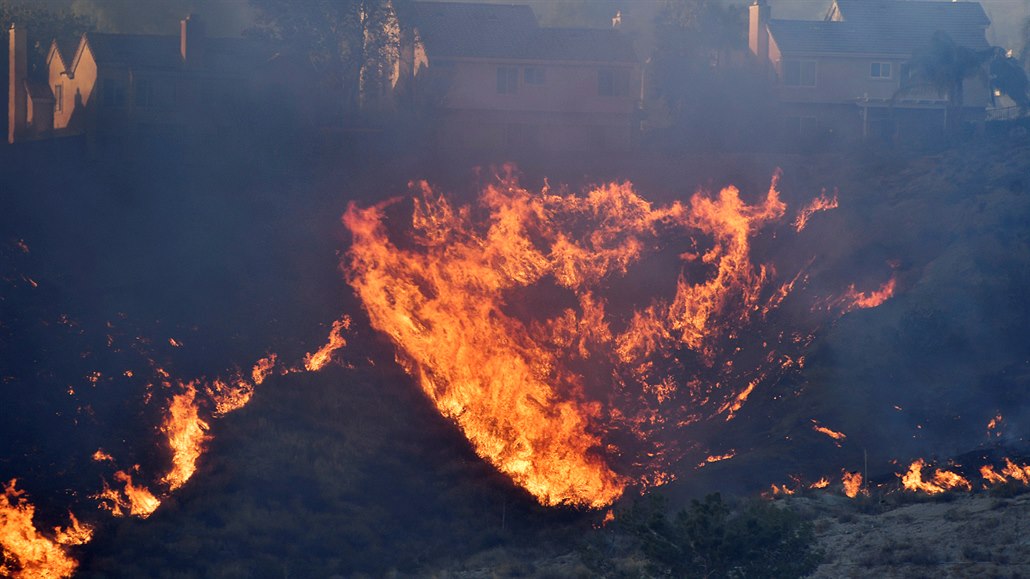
[945,65]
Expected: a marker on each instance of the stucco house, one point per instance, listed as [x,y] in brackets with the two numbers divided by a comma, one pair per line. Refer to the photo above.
[121,86]
[848,73]
[495,79]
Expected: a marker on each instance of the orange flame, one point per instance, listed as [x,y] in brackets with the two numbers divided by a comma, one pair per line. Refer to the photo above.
[993,426]
[990,475]
[820,203]
[852,483]
[510,385]
[1017,472]
[942,480]
[717,458]
[856,300]
[186,433]
[229,397]
[316,361]
[25,553]
[137,501]
[835,435]
[100,455]
[820,484]
[263,369]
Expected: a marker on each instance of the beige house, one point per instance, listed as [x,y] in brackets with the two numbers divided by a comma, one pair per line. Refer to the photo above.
[848,73]
[497,80]
[113,87]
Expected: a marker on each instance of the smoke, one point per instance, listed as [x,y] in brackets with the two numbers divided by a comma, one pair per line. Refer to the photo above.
[222,17]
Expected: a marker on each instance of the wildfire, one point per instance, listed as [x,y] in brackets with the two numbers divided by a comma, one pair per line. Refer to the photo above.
[528,382]
[229,397]
[943,480]
[135,500]
[27,553]
[820,484]
[316,361]
[994,426]
[820,203]
[186,433]
[100,455]
[263,369]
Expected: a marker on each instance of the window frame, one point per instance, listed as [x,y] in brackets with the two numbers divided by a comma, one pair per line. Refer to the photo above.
[801,64]
[539,77]
[508,79]
[879,67]
[58,97]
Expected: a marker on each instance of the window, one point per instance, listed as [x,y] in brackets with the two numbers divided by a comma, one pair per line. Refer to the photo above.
[612,82]
[58,98]
[113,94]
[880,70]
[507,79]
[533,75]
[144,93]
[799,72]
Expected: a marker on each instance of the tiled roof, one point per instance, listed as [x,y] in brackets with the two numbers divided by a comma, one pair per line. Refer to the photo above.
[457,29]
[510,31]
[899,27]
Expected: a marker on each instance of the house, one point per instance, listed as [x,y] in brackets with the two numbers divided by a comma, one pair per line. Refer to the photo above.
[497,80]
[113,87]
[848,74]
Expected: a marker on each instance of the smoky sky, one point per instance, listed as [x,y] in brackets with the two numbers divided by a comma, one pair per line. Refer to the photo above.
[231,17]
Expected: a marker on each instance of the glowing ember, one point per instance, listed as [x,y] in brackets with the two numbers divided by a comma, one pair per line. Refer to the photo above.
[316,361]
[100,455]
[852,483]
[820,203]
[25,553]
[993,426]
[942,480]
[186,436]
[135,500]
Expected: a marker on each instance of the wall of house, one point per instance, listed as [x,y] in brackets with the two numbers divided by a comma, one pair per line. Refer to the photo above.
[567,87]
[77,90]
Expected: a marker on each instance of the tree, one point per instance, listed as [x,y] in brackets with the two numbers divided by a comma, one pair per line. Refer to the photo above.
[944,66]
[347,42]
[43,26]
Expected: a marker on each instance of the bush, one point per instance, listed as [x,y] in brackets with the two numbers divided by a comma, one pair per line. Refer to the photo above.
[712,539]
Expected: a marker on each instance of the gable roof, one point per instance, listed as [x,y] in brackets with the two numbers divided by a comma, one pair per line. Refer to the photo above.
[895,27]
[459,29]
[510,31]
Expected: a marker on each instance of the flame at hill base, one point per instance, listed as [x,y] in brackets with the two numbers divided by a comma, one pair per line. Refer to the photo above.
[27,553]
[572,394]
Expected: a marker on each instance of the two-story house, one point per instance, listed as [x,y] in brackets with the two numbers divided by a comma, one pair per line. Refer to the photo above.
[497,80]
[113,87]
[848,73]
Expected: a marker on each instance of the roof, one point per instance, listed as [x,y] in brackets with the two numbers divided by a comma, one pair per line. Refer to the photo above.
[510,31]
[899,27]
[457,29]
[136,50]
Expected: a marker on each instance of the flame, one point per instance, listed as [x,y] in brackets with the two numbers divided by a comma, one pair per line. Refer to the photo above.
[27,553]
[835,435]
[717,458]
[820,203]
[852,483]
[263,369]
[820,484]
[530,393]
[186,433]
[942,480]
[135,500]
[100,455]
[993,426]
[1017,472]
[856,300]
[229,397]
[991,476]
[316,361]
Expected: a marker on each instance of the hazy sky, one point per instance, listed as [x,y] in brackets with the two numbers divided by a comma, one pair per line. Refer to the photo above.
[230,17]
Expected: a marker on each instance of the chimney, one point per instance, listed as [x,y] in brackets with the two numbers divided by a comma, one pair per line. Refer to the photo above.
[16,104]
[191,40]
[758,33]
